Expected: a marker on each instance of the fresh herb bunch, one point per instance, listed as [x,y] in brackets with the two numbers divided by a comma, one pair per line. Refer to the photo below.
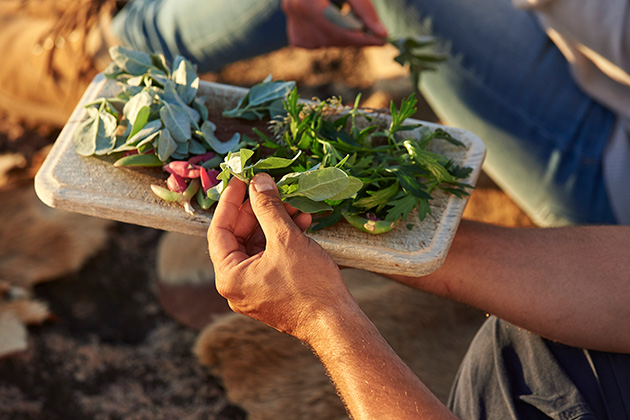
[396,170]
[157,113]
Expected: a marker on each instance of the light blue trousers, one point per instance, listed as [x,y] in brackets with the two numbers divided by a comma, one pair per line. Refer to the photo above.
[505,81]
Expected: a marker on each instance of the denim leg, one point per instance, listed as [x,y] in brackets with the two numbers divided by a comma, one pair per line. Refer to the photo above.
[509,373]
[211,33]
[508,83]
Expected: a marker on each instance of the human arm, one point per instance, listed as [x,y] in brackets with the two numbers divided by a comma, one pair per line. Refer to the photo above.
[269,270]
[308,27]
[569,284]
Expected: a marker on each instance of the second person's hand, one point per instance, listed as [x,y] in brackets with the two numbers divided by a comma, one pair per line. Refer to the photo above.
[308,26]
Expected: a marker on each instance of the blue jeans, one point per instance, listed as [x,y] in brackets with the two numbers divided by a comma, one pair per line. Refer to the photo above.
[505,81]
[509,373]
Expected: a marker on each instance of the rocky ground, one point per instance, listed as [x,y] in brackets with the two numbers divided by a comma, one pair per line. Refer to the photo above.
[109,351]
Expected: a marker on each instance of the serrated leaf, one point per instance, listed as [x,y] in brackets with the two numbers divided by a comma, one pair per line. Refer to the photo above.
[401,208]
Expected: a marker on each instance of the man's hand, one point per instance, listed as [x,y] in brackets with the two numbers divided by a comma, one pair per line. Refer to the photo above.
[308,27]
[266,267]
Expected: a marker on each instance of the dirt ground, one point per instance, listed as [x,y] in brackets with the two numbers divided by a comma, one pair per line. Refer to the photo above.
[109,351]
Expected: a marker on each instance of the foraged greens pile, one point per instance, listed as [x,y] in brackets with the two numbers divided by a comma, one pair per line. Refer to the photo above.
[326,158]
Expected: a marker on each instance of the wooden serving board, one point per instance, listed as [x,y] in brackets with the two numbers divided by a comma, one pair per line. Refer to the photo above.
[93,186]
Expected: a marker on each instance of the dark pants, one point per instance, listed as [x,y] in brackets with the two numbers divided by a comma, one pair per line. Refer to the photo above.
[510,373]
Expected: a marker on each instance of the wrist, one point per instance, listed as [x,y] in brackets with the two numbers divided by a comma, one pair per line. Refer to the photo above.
[333,324]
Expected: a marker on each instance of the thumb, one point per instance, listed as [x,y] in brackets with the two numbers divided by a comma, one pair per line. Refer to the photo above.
[269,209]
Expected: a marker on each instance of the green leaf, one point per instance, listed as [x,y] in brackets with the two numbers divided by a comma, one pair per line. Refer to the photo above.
[323,184]
[133,62]
[207,134]
[97,134]
[401,208]
[354,186]
[274,163]
[166,145]
[186,78]
[138,102]
[141,119]
[172,96]
[147,130]
[306,205]
[268,92]
[176,120]
[377,199]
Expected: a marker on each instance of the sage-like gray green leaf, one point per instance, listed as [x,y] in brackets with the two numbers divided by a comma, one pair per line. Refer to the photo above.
[182,149]
[322,184]
[186,78]
[136,103]
[207,132]
[306,205]
[176,120]
[97,134]
[195,148]
[149,129]
[268,92]
[133,62]
[199,104]
[166,145]
[172,96]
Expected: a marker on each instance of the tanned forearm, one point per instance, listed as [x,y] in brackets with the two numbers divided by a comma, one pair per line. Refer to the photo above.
[569,284]
[372,380]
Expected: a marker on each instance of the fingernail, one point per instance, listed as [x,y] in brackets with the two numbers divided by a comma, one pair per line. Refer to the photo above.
[263,182]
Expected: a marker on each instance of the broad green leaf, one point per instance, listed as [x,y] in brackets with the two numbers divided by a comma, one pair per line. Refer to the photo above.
[97,134]
[141,119]
[136,103]
[133,62]
[323,184]
[195,148]
[172,96]
[306,205]
[176,120]
[186,78]
[149,129]
[268,92]
[166,145]
[354,185]
[207,131]
[182,149]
